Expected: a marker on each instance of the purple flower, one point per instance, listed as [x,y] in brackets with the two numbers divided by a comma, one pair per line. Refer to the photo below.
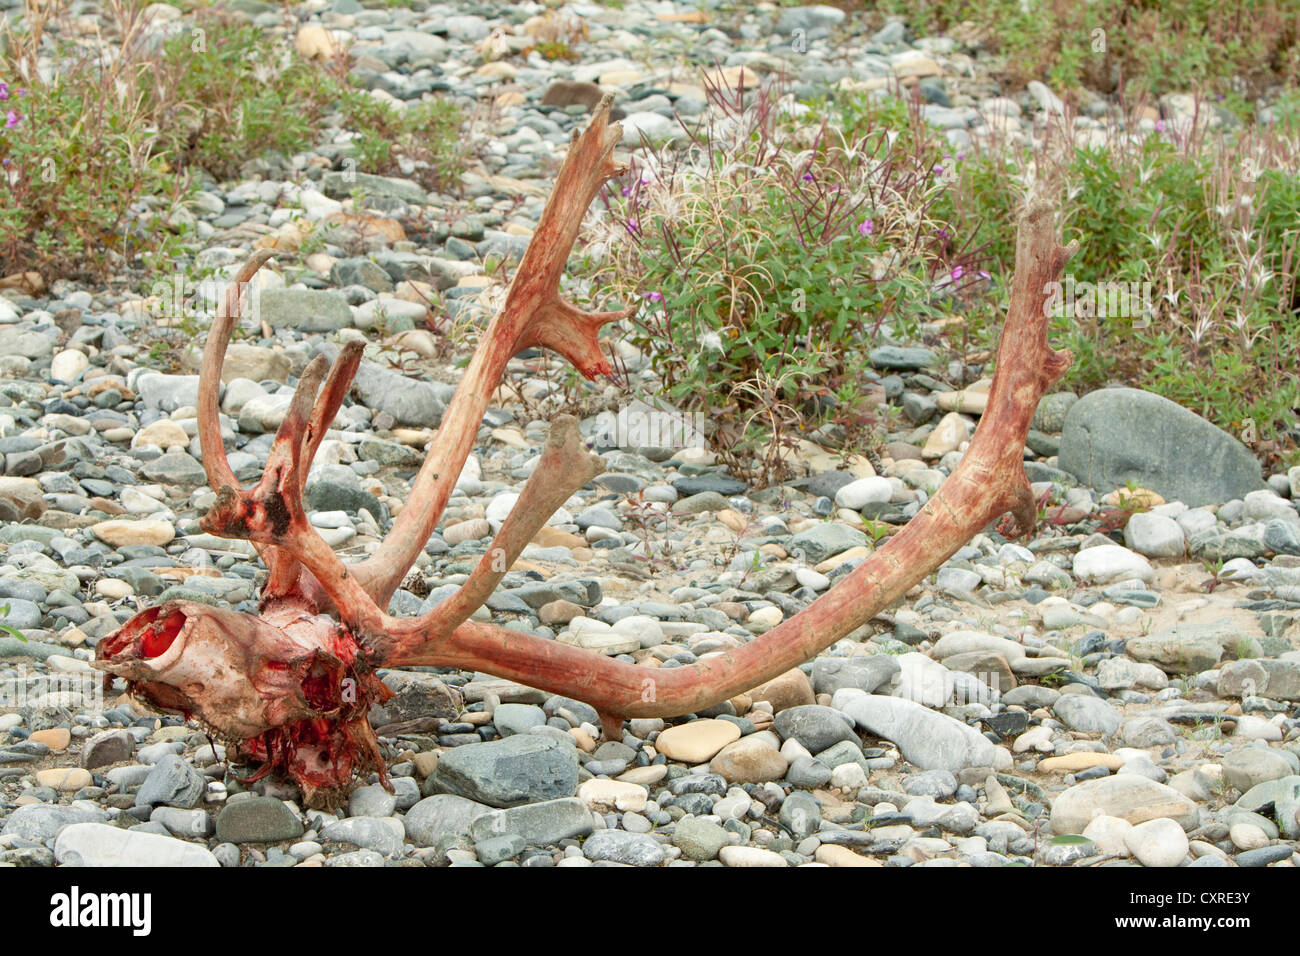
[633,226]
[867,227]
[4,90]
[11,119]
[655,296]
[626,191]
[1160,126]
[938,170]
[958,272]
[960,157]
[941,233]
[807,177]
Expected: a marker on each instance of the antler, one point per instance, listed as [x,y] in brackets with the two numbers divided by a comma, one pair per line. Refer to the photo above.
[534,314]
[294,684]
[989,481]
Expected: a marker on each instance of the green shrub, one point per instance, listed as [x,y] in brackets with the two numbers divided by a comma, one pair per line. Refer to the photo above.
[1237,48]
[95,159]
[235,95]
[427,134]
[1208,224]
[82,171]
[772,257]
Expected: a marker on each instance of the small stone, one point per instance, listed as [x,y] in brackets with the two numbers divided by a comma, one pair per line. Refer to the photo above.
[750,856]
[1155,536]
[1160,842]
[749,760]
[699,839]
[67,366]
[620,846]
[1108,563]
[951,431]
[171,782]
[163,434]
[107,747]
[1108,834]
[856,495]
[471,530]
[697,741]
[791,689]
[123,533]
[606,796]
[511,719]
[64,778]
[257,820]
[814,726]
[833,855]
[371,801]
[56,738]
[1247,836]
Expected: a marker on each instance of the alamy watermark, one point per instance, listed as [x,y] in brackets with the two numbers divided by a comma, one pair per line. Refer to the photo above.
[177,298]
[1101,300]
[32,688]
[639,425]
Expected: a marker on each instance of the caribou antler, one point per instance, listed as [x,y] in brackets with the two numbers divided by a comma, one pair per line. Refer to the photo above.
[291,686]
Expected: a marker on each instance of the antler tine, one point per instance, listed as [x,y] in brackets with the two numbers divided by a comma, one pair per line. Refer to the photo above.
[300,439]
[285,462]
[565,466]
[215,463]
[342,372]
[534,313]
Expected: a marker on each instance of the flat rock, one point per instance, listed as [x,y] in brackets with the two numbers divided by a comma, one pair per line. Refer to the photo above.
[749,760]
[620,846]
[1130,797]
[41,822]
[97,844]
[814,726]
[257,820]
[544,824]
[526,768]
[928,739]
[697,741]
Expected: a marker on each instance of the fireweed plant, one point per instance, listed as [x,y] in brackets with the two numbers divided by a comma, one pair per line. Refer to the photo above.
[1207,222]
[99,154]
[771,253]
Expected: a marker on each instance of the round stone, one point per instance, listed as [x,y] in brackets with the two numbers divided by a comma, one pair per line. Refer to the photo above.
[1161,842]
[697,741]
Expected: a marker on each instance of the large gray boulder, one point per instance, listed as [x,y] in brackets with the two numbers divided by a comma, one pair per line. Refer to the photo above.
[1117,435]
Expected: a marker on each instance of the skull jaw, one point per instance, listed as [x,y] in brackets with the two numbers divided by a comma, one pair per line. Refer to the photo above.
[290,690]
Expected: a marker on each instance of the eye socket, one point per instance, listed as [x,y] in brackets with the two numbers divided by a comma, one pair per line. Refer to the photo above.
[159,638]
